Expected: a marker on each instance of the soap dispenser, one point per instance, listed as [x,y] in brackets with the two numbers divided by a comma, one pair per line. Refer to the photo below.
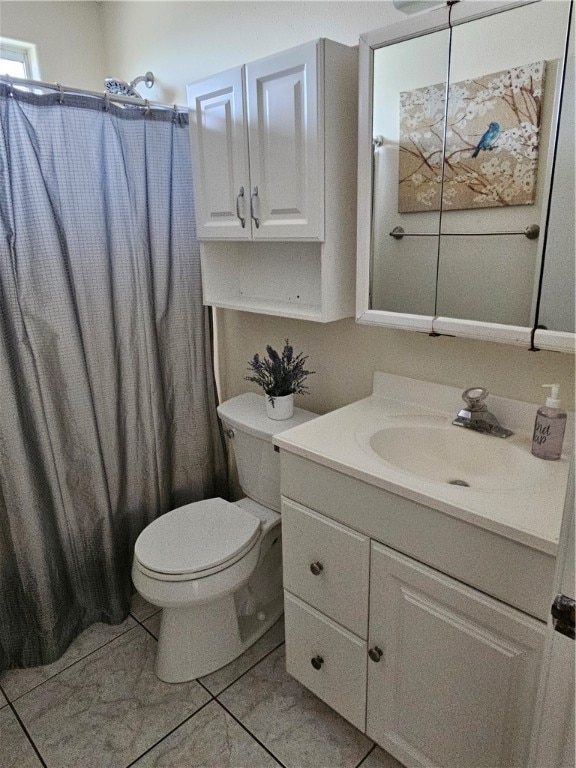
[549,427]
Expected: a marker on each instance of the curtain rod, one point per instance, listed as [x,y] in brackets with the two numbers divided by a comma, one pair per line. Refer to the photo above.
[138,102]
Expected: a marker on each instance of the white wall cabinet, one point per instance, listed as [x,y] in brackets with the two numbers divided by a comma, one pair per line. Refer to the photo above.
[274,155]
[441,675]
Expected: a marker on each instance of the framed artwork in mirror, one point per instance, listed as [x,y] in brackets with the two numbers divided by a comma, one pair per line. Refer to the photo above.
[492,140]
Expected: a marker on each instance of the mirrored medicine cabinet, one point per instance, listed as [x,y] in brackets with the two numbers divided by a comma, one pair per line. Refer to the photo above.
[466,173]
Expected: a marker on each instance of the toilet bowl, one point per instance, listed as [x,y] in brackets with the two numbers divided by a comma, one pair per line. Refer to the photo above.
[215,567]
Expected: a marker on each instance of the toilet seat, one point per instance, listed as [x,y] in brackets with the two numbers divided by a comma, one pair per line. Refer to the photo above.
[196,540]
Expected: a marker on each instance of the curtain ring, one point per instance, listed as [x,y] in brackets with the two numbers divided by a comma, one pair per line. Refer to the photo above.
[61,94]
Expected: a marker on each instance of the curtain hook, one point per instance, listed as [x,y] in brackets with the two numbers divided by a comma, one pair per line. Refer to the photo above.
[10,85]
[147,109]
[61,94]
[106,102]
[175,115]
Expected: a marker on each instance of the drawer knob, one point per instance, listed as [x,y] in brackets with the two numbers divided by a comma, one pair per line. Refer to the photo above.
[375,653]
[316,568]
[317,662]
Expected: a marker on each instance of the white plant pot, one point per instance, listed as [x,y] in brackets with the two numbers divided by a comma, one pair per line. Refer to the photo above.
[283,408]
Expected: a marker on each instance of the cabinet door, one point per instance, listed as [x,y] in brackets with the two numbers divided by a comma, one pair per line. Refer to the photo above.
[220,156]
[286,145]
[456,683]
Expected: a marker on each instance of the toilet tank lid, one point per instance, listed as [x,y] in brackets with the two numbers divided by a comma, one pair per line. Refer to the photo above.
[248,413]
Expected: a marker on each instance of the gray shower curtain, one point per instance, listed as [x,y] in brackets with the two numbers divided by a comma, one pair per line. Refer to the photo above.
[107,401]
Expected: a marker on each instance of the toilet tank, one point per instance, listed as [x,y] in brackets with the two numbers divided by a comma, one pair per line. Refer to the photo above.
[257,462]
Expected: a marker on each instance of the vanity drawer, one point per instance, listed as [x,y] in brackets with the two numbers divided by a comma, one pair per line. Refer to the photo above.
[327,565]
[327,659]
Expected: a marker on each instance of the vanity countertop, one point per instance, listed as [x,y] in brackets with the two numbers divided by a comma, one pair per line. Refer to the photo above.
[341,440]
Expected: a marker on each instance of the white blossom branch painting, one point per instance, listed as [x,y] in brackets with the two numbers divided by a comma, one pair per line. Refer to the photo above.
[492,136]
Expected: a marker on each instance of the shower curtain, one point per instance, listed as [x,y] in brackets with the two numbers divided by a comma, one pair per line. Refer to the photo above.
[107,400]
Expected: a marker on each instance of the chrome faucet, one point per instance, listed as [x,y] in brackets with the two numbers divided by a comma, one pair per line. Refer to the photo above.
[477,416]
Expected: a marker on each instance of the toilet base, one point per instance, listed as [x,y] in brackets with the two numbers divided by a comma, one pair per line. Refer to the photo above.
[207,622]
[193,642]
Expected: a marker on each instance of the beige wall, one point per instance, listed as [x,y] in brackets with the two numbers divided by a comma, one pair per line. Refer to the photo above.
[185,41]
[345,355]
[69,38]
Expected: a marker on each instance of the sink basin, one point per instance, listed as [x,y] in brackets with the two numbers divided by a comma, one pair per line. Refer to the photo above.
[430,447]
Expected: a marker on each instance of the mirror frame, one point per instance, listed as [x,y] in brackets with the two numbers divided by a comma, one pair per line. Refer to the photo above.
[422,24]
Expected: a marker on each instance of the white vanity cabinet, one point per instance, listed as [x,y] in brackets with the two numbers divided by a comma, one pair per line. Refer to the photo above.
[436,672]
[274,156]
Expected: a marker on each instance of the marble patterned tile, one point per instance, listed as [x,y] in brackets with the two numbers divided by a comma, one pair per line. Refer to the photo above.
[298,728]
[15,749]
[209,739]
[17,682]
[222,678]
[378,758]
[108,709]
[141,609]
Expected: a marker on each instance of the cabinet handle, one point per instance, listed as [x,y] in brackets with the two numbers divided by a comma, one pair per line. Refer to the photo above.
[256,220]
[375,653]
[316,568]
[317,662]
[240,195]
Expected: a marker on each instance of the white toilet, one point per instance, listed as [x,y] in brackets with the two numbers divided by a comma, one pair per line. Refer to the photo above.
[215,568]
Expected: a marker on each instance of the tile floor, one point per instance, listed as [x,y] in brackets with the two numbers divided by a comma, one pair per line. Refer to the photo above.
[101,706]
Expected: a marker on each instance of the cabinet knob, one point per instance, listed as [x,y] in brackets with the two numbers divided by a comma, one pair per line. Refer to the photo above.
[316,568]
[240,195]
[317,662]
[375,653]
[252,197]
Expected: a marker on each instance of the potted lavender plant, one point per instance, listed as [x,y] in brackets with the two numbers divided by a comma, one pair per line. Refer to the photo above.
[281,377]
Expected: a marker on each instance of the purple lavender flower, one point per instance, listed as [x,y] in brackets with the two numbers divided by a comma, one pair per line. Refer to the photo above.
[280,375]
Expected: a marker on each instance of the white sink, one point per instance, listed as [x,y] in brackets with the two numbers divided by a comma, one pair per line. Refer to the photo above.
[431,447]
[401,439]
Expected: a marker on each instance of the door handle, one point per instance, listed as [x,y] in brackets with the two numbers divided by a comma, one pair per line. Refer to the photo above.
[375,654]
[563,615]
[252,198]
[242,218]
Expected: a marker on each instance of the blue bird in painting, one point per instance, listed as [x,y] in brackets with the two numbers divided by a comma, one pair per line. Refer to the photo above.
[488,139]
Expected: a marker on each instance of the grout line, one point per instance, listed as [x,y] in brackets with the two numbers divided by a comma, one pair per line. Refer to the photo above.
[203,686]
[73,664]
[170,732]
[30,739]
[247,670]
[141,621]
[366,756]
[145,628]
[240,723]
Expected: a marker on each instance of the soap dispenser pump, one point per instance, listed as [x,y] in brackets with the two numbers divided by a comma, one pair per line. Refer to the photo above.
[549,427]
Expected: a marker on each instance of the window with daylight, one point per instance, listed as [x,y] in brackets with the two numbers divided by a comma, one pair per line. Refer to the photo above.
[16,59]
